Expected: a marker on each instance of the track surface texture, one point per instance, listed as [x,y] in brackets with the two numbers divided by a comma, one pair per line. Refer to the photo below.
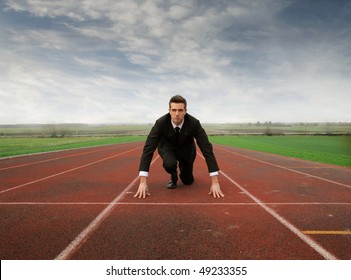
[79,204]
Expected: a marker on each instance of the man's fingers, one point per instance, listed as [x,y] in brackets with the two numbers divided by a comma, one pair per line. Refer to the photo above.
[142,194]
[138,194]
[218,194]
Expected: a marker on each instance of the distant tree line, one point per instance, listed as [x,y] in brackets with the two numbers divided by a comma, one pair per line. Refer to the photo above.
[58,130]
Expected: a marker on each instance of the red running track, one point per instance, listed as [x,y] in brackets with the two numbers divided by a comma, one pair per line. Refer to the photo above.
[79,204]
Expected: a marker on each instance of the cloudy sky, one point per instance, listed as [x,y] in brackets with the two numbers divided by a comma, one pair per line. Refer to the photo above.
[111,61]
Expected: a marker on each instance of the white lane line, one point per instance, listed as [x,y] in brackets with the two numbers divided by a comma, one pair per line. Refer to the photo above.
[85,234]
[181,203]
[286,168]
[66,171]
[309,241]
[51,159]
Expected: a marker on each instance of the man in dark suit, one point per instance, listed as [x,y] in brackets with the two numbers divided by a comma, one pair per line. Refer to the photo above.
[173,134]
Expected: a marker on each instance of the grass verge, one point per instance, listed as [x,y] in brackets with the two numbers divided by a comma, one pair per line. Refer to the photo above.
[326,149]
[21,146]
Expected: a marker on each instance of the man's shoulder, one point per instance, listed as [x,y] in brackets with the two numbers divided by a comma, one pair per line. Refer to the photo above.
[164,118]
[191,119]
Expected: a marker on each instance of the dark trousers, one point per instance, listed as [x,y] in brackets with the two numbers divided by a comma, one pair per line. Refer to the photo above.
[170,162]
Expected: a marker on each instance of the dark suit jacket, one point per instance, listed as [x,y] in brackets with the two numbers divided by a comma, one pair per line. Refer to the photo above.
[162,136]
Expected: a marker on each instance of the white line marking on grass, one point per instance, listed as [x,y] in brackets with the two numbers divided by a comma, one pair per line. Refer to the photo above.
[286,168]
[85,234]
[66,171]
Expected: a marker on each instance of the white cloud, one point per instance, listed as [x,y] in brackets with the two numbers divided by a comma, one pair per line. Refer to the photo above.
[178,12]
[120,61]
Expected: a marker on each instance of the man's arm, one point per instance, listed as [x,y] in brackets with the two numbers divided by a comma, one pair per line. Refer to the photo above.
[145,161]
[206,148]
[150,146]
[151,143]
[207,151]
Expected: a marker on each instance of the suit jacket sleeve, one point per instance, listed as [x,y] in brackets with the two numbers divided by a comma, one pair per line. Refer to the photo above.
[206,148]
[150,146]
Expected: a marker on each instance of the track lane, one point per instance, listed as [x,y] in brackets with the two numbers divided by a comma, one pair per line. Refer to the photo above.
[96,182]
[22,177]
[39,232]
[187,217]
[325,217]
[169,224]
[330,173]
[37,229]
[299,191]
[33,159]
[275,183]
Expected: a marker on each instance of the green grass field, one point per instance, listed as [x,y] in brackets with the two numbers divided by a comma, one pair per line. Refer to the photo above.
[326,149]
[28,145]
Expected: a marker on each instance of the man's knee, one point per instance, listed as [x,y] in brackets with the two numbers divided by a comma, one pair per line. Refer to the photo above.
[187,180]
[170,165]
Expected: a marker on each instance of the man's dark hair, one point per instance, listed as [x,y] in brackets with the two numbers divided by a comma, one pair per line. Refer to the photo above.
[177,99]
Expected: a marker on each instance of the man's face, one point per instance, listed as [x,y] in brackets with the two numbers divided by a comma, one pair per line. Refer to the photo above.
[177,111]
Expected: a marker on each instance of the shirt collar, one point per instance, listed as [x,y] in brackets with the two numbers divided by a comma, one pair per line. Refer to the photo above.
[180,126]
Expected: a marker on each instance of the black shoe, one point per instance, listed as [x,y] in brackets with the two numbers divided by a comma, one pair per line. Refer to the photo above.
[173,182]
[171,185]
